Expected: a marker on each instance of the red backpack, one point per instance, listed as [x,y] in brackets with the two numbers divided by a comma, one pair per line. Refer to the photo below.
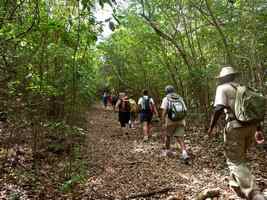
[125,105]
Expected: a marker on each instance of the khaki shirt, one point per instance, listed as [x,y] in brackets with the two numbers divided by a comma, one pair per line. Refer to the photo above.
[225,95]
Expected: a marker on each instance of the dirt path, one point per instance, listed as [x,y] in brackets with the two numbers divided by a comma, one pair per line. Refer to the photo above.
[123,166]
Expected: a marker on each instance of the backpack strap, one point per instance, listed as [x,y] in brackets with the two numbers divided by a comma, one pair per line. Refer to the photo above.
[169,103]
[232,111]
[143,100]
[234,86]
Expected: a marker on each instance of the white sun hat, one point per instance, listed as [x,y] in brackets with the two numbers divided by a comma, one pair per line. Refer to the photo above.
[225,71]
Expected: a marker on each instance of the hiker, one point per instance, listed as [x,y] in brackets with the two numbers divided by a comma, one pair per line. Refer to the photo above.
[173,120]
[237,136]
[147,108]
[105,99]
[133,112]
[114,100]
[123,106]
[110,100]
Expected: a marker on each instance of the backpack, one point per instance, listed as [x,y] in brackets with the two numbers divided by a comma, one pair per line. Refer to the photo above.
[176,108]
[124,105]
[133,105]
[114,99]
[146,105]
[249,105]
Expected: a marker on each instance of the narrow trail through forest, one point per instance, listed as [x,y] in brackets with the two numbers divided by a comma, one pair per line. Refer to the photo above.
[123,167]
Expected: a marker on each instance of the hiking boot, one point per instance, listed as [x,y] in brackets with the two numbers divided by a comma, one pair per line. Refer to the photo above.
[145,139]
[184,161]
[185,158]
[167,152]
[164,153]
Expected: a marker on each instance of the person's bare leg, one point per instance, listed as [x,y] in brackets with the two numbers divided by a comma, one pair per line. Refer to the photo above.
[149,126]
[168,142]
[181,143]
[180,140]
[145,130]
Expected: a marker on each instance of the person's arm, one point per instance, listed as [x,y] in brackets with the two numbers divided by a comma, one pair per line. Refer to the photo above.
[216,115]
[156,110]
[220,103]
[163,116]
[164,107]
[152,102]
[139,104]
[117,105]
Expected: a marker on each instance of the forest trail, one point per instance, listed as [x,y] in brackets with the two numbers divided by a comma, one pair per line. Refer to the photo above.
[124,167]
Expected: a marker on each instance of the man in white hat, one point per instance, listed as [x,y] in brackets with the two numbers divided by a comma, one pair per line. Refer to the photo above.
[237,137]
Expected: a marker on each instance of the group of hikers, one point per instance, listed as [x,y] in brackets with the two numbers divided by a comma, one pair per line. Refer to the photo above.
[244,111]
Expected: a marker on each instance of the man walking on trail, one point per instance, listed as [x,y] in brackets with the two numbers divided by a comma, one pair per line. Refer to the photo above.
[114,100]
[105,99]
[147,109]
[133,112]
[123,106]
[173,120]
[237,136]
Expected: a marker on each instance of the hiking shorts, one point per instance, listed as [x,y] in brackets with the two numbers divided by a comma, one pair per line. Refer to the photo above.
[124,118]
[105,101]
[176,131]
[146,117]
[113,101]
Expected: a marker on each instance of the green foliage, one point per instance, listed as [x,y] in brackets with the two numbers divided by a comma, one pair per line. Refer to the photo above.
[49,54]
[68,185]
[185,43]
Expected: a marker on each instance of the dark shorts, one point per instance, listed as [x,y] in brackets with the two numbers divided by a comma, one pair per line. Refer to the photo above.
[114,101]
[124,118]
[146,117]
[105,101]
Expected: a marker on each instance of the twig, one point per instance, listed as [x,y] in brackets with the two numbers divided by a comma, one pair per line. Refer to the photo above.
[135,162]
[149,193]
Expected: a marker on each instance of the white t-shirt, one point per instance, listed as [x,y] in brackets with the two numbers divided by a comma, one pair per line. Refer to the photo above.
[164,106]
[141,102]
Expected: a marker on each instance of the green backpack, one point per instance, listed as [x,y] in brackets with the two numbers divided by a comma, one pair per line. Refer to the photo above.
[249,105]
[176,108]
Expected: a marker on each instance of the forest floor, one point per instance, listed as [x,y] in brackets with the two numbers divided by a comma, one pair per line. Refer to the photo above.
[127,168]
[115,166]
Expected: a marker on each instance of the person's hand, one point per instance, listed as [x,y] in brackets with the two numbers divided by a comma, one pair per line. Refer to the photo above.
[259,137]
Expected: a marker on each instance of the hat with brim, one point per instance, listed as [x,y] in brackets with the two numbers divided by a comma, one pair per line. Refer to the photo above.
[225,71]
